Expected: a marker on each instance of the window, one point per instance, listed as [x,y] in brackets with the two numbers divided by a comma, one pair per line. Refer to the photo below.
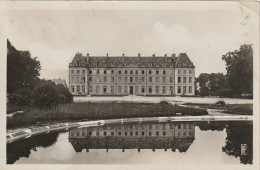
[171,79]
[72,89]
[136,133]
[83,88]
[112,89]
[72,79]
[125,79]
[171,90]
[125,133]
[184,89]
[112,72]
[157,71]
[184,71]
[157,79]
[105,79]
[131,79]
[83,71]
[184,79]
[150,89]
[131,133]
[90,72]
[119,133]
[179,71]
[78,89]
[119,89]
[112,79]
[97,133]
[105,133]
[119,71]
[97,89]
[131,71]
[179,126]
[89,133]
[190,89]
[179,79]
[150,79]
[150,71]
[190,126]
[157,89]
[83,79]
[125,90]
[190,71]
[125,71]
[104,89]
[97,71]
[72,71]
[142,133]
[164,133]
[112,133]
[136,71]
[119,79]
[90,88]
[184,64]
[143,91]
[77,71]
[164,89]
[164,79]
[105,72]
[142,71]
[164,72]
[142,79]
[179,133]
[77,79]
[179,89]
[150,133]
[157,133]
[184,133]
[190,79]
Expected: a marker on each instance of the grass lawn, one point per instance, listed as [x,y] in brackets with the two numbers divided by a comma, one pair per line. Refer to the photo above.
[96,111]
[241,109]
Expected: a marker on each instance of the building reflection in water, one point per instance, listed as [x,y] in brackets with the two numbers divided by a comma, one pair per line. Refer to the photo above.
[152,135]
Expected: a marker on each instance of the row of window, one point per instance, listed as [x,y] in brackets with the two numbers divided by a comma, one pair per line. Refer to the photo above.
[184,79]
[184,71]
[131,133]
[124,89]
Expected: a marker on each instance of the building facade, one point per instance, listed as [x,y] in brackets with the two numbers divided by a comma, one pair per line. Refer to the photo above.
[125,75]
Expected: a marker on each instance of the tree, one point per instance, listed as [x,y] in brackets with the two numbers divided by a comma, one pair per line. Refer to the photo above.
[45,95]
[22,70]
[239,66]
[64,94]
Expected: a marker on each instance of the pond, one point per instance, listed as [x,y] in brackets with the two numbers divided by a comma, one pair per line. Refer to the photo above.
[176,142]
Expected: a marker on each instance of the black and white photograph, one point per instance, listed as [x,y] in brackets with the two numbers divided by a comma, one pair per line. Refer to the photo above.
[157,84]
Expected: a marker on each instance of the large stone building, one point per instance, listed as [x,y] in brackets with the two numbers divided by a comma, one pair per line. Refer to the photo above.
[124,75]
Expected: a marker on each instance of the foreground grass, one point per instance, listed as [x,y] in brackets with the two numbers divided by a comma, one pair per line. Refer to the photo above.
[240,109]
[96,111]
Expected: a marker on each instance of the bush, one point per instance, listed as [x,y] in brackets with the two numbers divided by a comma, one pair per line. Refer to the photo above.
[163,103]
[21,97]
[226,93]
[204,92]
[64,94]
[45,95]
[220,103]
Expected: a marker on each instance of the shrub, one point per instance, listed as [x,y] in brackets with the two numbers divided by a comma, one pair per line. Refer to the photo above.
[21,97]
[163,103]
[64,94]
[220,103]
[226,93]
[45,95]
[204,91]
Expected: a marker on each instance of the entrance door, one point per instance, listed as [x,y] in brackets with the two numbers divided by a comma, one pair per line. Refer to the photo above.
[131,90]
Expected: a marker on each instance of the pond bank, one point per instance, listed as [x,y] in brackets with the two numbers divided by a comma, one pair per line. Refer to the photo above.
[97,111]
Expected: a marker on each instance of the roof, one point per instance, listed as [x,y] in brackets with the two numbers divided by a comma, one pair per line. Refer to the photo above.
[130,61]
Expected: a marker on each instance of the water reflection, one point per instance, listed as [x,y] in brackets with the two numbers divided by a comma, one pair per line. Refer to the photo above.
[134,136]
[173,136]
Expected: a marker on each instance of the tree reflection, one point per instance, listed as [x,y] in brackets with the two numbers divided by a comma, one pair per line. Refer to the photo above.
[23,147]
[239,133]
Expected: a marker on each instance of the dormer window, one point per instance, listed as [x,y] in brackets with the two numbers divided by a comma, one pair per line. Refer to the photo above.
[179,65]
[190,65]
[78,62]
[184,64]
[97,64]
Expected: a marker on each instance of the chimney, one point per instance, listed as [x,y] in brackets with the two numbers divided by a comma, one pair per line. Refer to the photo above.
[87,58]
[165,57]
[139,55]
[107,54]
[153,55]
[123,57]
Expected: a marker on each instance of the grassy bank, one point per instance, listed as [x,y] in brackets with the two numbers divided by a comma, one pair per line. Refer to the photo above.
[241,109]
[96,111]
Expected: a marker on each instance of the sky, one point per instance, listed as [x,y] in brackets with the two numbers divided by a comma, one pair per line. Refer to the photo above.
[204,32]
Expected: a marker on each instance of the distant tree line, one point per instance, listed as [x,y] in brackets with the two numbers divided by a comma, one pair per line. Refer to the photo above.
[24,87]
[237,82]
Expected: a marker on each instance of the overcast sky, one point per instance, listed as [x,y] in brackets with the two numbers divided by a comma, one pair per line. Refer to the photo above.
[54,36]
